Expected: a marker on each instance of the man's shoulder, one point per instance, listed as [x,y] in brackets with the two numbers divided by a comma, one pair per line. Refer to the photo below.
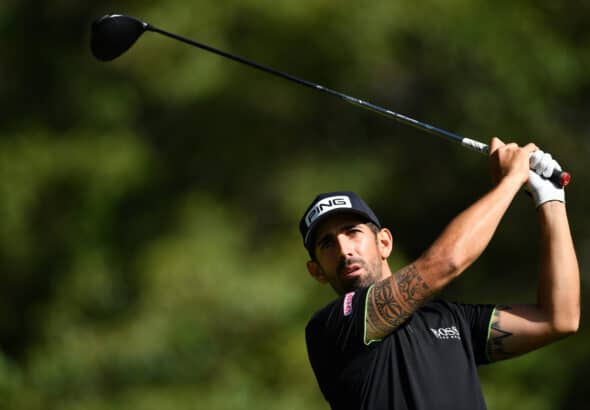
[340,307]
[446,305]
[322,313]
[469,312]
[344,303]
[439,304]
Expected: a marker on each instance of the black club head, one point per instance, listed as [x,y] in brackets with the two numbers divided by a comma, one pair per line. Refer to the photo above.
[113,34]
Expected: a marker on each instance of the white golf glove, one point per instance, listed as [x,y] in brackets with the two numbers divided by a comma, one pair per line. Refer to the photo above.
[541,189]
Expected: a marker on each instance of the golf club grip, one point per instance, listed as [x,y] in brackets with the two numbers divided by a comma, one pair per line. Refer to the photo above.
[559,178]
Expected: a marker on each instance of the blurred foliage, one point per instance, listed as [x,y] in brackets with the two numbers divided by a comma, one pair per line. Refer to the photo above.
[149,252]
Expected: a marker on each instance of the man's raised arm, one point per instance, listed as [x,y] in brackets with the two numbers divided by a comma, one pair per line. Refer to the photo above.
[392,300]
[517,329]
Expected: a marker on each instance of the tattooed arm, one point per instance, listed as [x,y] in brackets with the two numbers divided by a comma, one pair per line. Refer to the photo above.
[519,329]
[392,300]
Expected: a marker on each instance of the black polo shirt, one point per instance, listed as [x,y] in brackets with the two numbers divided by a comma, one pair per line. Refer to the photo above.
[429,362]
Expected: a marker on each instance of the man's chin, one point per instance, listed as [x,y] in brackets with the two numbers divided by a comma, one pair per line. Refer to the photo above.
[357,282]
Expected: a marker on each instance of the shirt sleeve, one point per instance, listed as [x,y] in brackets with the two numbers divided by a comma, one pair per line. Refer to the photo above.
[478,318]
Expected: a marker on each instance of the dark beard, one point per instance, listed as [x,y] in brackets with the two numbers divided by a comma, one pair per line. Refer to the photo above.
[372,273]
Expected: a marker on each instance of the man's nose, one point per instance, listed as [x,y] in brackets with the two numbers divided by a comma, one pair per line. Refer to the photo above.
[345,245]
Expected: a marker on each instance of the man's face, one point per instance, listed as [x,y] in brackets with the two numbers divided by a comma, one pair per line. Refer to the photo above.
[349,255]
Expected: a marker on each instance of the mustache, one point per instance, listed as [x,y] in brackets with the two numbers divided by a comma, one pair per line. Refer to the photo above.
[346,262]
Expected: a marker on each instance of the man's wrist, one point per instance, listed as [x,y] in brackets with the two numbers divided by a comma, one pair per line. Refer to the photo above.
[551,206]
[513,182]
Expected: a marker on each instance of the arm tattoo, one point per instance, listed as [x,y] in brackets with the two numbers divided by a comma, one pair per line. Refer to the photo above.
[393,300]
[496,347]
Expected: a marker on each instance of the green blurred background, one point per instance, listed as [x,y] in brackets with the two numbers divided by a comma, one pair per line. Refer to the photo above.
[149,251]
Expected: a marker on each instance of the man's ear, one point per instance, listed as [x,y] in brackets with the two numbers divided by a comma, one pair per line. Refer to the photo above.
[316,271]
[385,242]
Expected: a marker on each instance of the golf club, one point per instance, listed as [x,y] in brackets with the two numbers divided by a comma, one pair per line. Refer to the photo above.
[113,34]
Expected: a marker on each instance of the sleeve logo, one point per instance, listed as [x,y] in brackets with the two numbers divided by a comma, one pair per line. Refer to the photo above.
[347,304]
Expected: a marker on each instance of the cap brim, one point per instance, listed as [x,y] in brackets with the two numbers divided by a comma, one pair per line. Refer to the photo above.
[311,230]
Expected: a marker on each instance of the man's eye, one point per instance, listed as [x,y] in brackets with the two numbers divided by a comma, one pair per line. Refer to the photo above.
[326,243]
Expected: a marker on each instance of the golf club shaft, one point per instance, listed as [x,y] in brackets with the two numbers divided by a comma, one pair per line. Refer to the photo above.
[475,145]
[560,178]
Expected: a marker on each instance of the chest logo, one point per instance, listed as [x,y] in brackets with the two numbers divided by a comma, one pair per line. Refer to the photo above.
[347,305]
[445,333]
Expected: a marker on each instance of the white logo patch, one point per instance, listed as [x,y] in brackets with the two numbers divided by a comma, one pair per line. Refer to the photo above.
[445,333]
[325,205]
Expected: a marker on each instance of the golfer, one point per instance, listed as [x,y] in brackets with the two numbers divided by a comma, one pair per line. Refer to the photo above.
[385,343]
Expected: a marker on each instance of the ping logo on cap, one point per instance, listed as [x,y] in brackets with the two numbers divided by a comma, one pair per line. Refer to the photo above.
[325,205]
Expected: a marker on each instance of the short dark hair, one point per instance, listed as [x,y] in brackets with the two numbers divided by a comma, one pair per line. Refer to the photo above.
[373,227]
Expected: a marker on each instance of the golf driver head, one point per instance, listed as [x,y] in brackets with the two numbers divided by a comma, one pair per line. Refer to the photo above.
[113,34]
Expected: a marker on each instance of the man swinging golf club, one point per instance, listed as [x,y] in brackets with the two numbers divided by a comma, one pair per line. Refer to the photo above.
[385,343]
[382,344]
